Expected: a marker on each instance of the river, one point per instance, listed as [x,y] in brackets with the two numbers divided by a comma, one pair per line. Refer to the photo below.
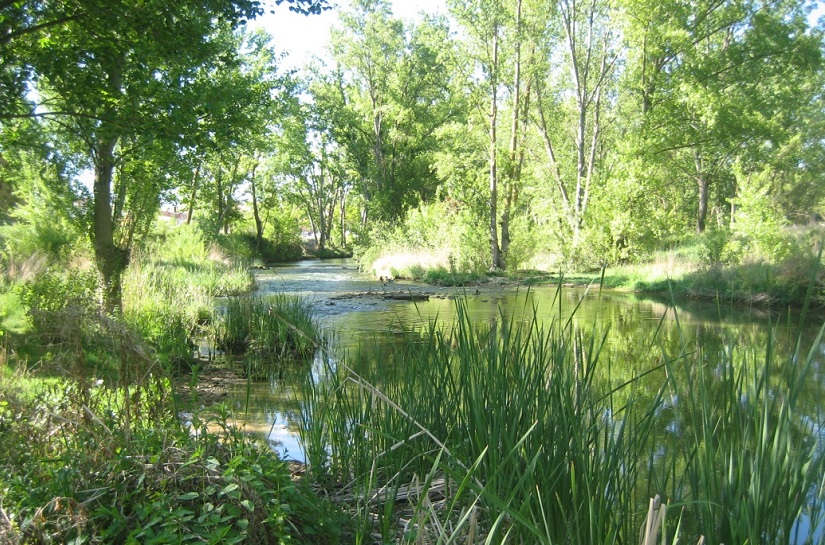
[639,331]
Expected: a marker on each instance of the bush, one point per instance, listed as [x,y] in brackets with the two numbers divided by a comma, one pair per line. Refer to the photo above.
[52,292]
[94,476]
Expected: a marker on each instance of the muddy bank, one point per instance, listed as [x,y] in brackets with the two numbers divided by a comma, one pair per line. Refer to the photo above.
[210,382]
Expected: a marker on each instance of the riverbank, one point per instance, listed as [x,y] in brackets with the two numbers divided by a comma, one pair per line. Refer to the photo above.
[759,284]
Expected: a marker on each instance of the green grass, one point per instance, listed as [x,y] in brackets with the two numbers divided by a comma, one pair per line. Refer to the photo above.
[12,312]
[687,276]
[511,432]
[269,330]
[168,294]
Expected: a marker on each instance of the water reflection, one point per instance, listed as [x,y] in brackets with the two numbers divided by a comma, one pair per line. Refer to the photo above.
[640,335]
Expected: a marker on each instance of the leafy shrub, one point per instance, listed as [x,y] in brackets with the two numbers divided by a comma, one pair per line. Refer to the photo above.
[714,243]
[759,222]
[169,329]
[52,292]
[180,245]
[94,476]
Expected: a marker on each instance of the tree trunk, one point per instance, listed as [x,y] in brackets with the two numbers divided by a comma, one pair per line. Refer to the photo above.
[259,225]
[514,167]
[195,181]
[495,252]
[219,193]
[343,220]
[111,261]
[701,217]
[703,180]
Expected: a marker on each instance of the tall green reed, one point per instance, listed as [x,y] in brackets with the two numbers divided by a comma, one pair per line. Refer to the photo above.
[752,465]
[268,330]
[523,430]
[554,452]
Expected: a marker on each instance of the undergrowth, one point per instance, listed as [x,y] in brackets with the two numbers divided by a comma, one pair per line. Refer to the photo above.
[78,468]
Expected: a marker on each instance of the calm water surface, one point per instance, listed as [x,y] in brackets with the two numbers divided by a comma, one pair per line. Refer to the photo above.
[640,332]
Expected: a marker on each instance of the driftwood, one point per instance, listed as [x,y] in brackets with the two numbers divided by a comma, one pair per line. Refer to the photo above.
[388,296]
[407,296]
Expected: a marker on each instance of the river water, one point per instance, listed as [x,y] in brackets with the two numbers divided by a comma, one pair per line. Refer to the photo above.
[639,331]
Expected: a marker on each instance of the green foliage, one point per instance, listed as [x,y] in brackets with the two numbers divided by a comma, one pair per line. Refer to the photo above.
[433,237]
[168,291]
[51,293]
[718,248]
[282,241]
[47,217]
[178,245]
[12,311]
[94,476]
[245,246]
[445,277]
[759,223]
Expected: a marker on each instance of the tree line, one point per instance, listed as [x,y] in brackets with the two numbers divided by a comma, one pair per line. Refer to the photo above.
[586,130]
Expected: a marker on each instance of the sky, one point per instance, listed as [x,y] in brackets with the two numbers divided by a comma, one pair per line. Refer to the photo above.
[304,36]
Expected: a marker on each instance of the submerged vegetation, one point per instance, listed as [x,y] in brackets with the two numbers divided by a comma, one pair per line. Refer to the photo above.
[520,432]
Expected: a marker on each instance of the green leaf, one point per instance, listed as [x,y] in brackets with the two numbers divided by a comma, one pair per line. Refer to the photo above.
[188,496]
[231,487]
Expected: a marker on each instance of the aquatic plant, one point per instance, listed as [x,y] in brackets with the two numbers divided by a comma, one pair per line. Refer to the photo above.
[268,330]
[509,432]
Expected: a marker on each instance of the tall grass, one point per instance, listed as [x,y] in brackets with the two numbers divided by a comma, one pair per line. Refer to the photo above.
[168,292]
[510,432]
[752,459]
[269,330]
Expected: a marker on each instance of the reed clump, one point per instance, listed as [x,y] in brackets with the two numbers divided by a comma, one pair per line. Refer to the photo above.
[512,432]
[267,329]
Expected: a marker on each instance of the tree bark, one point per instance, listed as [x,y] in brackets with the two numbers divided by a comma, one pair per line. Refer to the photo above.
[701,217]
[194,194]
[495,252]
[343,219]
[259,225]
[110,260]
[515,169]
[703,180]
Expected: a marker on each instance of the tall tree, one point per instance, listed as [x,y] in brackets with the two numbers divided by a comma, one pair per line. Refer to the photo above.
[575,79]
[120,76]
[485,20]
[390,92]
[115,75]
[719,83]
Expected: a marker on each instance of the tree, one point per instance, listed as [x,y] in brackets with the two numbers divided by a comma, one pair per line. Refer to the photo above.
[385,101]
[576,76]
[718,84]
[485,19]
[118,77]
